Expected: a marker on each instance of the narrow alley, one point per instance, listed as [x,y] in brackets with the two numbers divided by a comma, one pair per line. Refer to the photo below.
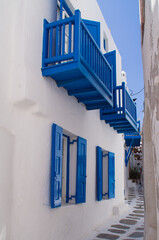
[79,122]
[131,224]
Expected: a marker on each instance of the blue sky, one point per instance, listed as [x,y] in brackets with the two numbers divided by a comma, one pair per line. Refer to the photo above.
[122,18]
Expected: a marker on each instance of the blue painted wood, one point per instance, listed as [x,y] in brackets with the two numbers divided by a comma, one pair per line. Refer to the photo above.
[94,29]
[66,7]
[68,168]
[138,126]
[63,5]
[56,166]
[116,121]
[70,36]
[93,102]
[112,117]
[67,82]
[130,106]
[111,58]
[82,92]
[124,97]
[126,163]
[60,22]
[91,99]
[45,43]
[121,127]
[125,131]
[98,56]
[125,127]
[134,137]
[57,42]
[81,170]
[61,8]
[86,61]
[60,40]
[77,34]
[51,41]
[136,140]
[95,106]
[111,175]
[99,173]
[63,39]
[128,153]
[127,156]
[119,98]
[56,72]
[124,110]
[132,121]
[59,58]
[95,81]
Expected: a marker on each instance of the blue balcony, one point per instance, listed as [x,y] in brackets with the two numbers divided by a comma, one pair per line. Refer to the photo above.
[122,117]
[133,139]
[72,57]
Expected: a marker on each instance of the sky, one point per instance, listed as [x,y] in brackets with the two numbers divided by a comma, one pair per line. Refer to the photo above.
[122,18]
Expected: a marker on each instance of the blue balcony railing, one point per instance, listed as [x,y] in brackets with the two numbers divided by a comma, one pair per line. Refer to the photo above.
[93,58]
[133,138]
[54,42]
[123,115]
[125,104]
[73,59]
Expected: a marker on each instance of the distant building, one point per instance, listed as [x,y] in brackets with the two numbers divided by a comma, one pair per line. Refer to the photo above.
[149,13]
[64,110]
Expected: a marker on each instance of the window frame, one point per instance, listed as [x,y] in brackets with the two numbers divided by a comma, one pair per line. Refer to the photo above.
[100,154]
[79,198]
[105,42]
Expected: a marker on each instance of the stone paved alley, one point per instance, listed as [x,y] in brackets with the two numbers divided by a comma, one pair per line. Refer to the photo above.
[131,224]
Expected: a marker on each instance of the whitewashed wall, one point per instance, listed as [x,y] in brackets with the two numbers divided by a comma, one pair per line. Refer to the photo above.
[29,105]
[150,54]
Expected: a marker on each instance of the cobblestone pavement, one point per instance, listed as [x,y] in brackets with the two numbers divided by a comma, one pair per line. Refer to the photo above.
[132,225]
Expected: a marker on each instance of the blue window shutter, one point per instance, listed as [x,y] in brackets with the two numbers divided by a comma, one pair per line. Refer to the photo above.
[56,166]
[111,175]
[81,170]
[99,174]
[94,28]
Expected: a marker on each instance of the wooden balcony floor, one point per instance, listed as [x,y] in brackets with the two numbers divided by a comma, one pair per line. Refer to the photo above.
[120,122]
[136,140]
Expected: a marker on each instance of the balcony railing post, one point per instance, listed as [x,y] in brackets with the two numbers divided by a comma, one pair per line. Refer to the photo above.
[135,113]
[45,43]
[77,34]
[111,79]
[124,97]
[138,126]
[61,8]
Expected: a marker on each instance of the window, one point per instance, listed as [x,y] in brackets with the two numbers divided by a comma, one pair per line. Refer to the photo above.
[63,12]
[68,168]
[105,43]
[105,174]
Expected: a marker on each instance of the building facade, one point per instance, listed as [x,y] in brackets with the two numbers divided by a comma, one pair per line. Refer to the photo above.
[150,54]
[61,164]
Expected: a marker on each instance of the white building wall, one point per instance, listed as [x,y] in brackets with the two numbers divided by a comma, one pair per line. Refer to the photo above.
[150,54]
[29,105]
